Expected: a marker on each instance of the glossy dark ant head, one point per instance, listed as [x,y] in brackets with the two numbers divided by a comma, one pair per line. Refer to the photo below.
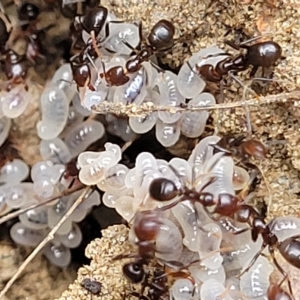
[163,189]
[134,271]
[95,19]
[28,12]
[161,35]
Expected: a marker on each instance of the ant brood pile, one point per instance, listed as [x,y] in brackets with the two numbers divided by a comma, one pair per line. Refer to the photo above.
[193,217]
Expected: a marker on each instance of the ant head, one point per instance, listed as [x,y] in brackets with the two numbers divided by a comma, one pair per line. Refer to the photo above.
[255,148]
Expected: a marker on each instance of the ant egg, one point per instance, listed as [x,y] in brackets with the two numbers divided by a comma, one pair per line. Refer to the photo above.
[168,242]
[134,91]
[210,239]
[36,218]
[212,289]
[58,255]
[182,289]
[169,96]
[15,102]
[55,108]
[167,134]
[120,34]
[14,171]
[18,195]
[83,135]
[221,168]
[73,238]
[92,98]
[285,227]
[130,178]
[240,178]
[86,158]
[55,150]
[23,235]
[76,102]
[84,207]
[5,124]
[124,207]
[193,122]
[254,283]
[74,118]
[110,198]
[115,149]
[56,212]
[63,78]
[119,127]
[151,73]
[115,176]
[143,124]
[183,169]
[201,274]
[94,173]
[201,153]
[184,213]
[144,163]
[190,84]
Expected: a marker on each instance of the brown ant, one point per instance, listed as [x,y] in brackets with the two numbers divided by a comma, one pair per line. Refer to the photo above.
[239,147]
[263,54]
[160,38]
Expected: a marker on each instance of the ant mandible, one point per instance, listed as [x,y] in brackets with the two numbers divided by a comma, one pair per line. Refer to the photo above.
[160,38]
[263,54]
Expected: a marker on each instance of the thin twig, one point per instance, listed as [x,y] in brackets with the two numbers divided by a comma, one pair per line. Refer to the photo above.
[133,110]
[42,244]
[33,206]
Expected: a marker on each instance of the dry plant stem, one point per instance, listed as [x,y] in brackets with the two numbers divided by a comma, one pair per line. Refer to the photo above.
[33,206]
[133,110]
[47,239]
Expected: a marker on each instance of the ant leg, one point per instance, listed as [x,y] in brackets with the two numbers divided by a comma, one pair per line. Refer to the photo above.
[94,42]
[232,45]
[253,71]
[286,277]
[220,149]
[252,261]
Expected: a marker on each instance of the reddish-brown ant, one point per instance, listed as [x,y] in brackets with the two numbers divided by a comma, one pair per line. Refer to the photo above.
[160,38]
[263,54]
[239,147]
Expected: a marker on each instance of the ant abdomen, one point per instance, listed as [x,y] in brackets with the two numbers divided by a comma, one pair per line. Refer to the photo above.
[163,189]
[162,35]
[290,250]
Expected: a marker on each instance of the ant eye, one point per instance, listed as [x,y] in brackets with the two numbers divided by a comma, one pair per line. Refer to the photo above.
[163,189]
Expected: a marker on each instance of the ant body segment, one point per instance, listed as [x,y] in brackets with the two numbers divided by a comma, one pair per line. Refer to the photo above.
[241,148]
[263,54]
[160,38]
